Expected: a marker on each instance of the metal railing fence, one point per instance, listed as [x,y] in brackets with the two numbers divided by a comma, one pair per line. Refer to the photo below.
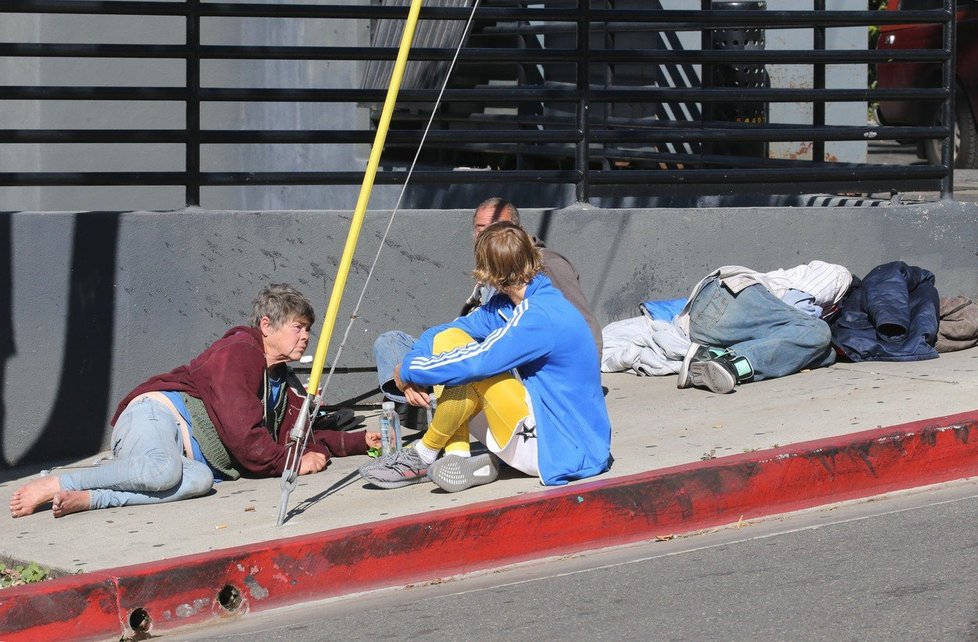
[546,92]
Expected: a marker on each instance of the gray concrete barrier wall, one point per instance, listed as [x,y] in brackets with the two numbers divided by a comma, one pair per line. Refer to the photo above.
[92,303]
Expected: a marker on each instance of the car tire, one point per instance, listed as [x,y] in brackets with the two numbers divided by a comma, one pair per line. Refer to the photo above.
[966,156]
[965,136]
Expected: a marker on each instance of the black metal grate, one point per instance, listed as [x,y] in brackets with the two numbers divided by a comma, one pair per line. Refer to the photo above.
[546,92]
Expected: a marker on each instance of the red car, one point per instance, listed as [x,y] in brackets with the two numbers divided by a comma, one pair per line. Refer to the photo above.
[916,74]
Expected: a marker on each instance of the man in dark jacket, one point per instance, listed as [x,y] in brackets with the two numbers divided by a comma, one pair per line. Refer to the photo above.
[226,413]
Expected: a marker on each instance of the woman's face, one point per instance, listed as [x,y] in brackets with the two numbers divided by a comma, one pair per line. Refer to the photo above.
[284,343]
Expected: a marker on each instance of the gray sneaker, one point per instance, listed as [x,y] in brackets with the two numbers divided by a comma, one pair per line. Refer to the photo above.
[401,468]
[453,473]
[720,374]
[696,353]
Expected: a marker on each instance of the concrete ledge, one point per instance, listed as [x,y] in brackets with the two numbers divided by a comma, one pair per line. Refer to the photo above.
[101,317]
[158,596]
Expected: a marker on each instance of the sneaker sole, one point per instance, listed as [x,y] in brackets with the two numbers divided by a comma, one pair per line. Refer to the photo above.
[453,474]
[682,381]
[380,483]
[714,376]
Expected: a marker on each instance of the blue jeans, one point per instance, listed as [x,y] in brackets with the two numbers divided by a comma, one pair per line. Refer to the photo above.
[148,465]
[776,338]
[390,348]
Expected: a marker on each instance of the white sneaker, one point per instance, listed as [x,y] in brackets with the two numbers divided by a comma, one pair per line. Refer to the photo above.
[453,473]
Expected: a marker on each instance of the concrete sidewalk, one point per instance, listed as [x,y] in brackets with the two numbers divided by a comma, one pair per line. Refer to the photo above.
[660,434]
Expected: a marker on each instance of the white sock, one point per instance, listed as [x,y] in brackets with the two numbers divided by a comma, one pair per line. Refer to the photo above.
[428,455]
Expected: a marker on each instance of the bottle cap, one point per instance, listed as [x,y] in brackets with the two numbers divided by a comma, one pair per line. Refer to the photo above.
[387,405]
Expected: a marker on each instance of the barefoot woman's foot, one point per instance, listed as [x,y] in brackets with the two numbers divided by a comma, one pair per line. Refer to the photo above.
[34,494]
[71,501]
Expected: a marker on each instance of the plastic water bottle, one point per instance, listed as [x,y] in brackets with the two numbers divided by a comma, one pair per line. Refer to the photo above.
[390,428]
[385,434]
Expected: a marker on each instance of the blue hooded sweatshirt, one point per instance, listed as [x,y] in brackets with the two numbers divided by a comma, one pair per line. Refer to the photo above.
[546,340]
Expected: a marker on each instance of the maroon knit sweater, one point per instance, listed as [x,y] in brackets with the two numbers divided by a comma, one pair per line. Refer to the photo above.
[229,378]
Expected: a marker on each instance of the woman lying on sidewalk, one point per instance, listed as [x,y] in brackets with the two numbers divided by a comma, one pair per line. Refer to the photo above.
[548,419]
[226,413]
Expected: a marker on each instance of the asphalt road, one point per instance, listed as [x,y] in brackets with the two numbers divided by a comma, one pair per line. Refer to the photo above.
[899,567]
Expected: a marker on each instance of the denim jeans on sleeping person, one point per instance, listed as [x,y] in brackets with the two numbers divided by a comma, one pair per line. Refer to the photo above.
[148,465]
[776,338]
[390,348]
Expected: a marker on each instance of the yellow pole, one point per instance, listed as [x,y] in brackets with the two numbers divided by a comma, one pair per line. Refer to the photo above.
[298,433]
[332,310]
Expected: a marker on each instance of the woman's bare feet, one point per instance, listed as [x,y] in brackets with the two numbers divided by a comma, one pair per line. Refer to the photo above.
[34,494]
[71,501]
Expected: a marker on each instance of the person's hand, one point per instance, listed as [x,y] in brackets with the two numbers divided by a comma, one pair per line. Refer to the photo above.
[312,463]
[373,439]
[415,395]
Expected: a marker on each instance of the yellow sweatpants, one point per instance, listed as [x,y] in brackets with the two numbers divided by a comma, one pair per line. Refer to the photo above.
[502,398]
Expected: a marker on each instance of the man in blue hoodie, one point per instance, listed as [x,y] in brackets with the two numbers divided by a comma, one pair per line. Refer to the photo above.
[520,374]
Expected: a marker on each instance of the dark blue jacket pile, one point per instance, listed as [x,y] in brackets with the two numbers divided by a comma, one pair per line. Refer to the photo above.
[891,315]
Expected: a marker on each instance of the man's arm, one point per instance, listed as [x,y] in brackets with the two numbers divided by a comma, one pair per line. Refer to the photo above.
[343,444]
[480,321]
[526,337]
[478,324]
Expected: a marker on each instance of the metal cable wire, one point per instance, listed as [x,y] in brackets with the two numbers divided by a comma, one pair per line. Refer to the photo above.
[400,197]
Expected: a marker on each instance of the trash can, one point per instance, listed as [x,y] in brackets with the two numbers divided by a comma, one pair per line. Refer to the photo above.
[741,75]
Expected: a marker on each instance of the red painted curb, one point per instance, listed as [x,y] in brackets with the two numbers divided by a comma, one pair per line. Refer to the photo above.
[195,588]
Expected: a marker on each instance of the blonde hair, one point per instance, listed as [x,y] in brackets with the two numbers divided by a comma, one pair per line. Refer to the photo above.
[281,303]
[505,256]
